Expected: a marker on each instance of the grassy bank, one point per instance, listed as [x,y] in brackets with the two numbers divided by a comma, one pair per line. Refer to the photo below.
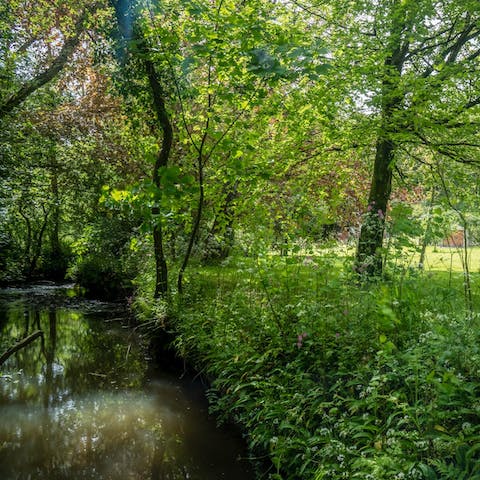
[333,380]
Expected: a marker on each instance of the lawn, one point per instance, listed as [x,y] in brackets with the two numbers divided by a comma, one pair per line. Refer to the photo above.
[446,258]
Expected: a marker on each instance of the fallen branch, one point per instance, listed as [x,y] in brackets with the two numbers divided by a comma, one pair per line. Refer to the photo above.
[21,344]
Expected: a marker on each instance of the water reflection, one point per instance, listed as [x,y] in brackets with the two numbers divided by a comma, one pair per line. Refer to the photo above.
[79,405]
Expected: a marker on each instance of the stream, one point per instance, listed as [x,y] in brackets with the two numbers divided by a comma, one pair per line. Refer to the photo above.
[86,403]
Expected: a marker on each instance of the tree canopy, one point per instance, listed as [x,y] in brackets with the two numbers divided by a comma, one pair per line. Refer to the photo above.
[267,182]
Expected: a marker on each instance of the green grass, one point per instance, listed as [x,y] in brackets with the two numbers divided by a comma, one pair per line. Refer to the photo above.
[437,258]
[382,384]
[446,259]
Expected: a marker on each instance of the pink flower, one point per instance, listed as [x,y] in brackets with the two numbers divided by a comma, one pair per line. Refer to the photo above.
[380,214]
[300,339]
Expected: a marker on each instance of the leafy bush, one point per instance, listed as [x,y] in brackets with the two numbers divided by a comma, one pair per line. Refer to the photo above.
[54,264]
[10,257]
[102,265]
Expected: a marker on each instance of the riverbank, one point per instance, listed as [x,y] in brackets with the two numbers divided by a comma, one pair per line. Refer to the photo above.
[332,380]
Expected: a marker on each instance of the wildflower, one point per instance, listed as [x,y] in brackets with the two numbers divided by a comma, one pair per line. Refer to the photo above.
[380,214]
[309,262]
[301,338]
[467,427]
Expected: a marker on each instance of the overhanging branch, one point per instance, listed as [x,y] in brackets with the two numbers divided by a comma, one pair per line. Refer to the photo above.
[8,104]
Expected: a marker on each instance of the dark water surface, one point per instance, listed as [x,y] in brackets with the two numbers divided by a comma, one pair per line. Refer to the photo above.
[84,404]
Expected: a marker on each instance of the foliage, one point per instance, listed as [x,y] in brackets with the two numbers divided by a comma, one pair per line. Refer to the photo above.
[215,133]
[331,380]
[69,141]
[103,259]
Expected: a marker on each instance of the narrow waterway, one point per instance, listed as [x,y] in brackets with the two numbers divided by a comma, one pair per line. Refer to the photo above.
[84,403]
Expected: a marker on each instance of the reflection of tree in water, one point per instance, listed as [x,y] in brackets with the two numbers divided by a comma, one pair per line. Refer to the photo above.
[74,407]
[167,462]
[49,354]
[108,435]
[111,436]
[103,359]
[76,354]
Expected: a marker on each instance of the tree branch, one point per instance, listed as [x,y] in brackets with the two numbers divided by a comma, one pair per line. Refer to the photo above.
[450,54]
[19,345]
[14,100]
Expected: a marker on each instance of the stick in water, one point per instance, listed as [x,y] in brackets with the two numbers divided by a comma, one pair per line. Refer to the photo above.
[21,344]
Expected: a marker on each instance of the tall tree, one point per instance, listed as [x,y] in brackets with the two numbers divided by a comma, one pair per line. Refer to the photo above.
[407,62]
[224,59]
[128,15]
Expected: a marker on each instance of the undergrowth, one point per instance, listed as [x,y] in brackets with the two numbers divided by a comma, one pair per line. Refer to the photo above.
[331,379]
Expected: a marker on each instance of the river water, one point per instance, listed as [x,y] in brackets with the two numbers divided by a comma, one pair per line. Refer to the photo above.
[85,403]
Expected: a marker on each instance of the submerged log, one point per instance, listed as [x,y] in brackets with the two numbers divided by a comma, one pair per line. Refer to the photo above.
[21,344]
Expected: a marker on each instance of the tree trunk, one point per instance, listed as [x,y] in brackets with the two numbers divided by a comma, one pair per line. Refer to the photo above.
[220,249]
[369,254]
[37,248]
[28,240]
[161,269]
[369,251]
[126,19]
[55,218]
[196,224]
[57,261]
[426,237]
